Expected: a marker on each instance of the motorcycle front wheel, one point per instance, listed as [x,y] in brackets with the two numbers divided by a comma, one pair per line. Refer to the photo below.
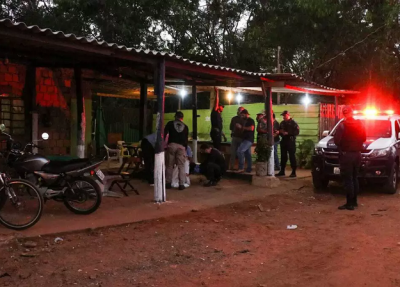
[83,196]
[21,204]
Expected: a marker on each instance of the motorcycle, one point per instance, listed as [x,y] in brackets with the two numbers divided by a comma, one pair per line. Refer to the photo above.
[70,182]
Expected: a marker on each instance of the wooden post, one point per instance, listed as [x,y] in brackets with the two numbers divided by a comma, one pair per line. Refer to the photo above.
[143,110]
[80,108]
[270,122]
[336,110]
[194,122]
[29,94]
[278,70]
[212,98]
[159,166]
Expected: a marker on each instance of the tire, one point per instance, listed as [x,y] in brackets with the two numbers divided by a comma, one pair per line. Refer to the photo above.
[83,196]
[33,192]
[319,184]
[392,183]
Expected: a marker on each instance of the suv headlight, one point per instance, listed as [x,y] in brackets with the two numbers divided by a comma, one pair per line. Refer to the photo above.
[380,152]
[318,150]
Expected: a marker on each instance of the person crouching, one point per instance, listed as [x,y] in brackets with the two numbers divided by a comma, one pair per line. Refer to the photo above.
[214,166]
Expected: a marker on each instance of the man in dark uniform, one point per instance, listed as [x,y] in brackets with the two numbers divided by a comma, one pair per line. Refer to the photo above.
[216,127]
[289,130]
[214,166]
[349,138]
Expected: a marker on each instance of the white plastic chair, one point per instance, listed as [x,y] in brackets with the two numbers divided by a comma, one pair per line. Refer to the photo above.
[112,154]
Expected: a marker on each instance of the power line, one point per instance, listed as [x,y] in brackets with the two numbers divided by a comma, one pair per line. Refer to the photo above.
[351,47]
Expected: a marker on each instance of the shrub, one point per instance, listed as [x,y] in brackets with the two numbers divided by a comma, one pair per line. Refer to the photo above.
[263,150]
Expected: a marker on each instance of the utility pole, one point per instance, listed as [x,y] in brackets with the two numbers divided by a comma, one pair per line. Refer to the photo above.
[278,70]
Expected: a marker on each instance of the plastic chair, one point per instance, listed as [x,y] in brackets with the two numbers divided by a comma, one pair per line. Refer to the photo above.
[124,152]
[112,154]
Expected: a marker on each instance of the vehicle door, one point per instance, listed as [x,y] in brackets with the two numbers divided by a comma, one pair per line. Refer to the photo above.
[397,132]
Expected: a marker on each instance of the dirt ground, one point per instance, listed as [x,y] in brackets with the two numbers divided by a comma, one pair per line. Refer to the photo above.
[241,244]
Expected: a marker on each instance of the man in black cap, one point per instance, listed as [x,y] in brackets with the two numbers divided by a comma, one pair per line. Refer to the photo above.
[216,127]
[178,134]
[214,166]
[288,130]
[244,150]
[349,138]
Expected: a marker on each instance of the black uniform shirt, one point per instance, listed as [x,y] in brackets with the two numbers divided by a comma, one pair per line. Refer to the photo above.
[178,132]
[235,131]
[291,127]
[216,120]
[248,135]
[350,135]
[215,156]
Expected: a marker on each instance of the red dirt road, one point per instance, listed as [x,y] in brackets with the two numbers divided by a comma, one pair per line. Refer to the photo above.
[234,245]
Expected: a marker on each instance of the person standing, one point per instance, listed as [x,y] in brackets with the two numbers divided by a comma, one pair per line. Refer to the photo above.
[244,150]
[214,166]
[289,130]
[236,135]
[216,127]
[262,128]
[276,143]
[147,145]
[178,134]
[349,137]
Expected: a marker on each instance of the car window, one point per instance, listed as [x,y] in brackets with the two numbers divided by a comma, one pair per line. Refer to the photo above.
[397,129]
[378,128]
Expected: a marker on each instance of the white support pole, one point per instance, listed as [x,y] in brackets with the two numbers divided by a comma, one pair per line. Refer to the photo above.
[270,122]
[159,178]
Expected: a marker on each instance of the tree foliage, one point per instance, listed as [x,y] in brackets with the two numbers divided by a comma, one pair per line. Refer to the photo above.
[341,43]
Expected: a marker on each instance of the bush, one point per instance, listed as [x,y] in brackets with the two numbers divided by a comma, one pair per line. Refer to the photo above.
[263,150]
[305,151]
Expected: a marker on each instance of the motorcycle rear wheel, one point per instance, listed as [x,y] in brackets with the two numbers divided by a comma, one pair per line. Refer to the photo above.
[26,198]
[84,190]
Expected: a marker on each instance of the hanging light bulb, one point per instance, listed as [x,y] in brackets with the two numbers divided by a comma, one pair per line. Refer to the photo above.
[182,93]
[239,98]
[229,96]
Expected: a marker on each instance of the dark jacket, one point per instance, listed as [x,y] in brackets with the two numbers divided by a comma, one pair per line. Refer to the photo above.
[291,127]
[178,133]
[216,120]
[350,135]
[215,156]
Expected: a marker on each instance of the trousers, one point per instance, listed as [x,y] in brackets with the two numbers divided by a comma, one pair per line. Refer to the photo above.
[148,158]
[288,147]
[235,143]
[212,171]
[244,151]
[216,137]
[350,163]
[176,154]
[276,157]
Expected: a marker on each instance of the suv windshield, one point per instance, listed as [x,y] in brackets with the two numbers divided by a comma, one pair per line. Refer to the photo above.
[376,128]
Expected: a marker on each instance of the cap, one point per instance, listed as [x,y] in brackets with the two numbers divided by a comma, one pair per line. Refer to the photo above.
[179,115]
[240,109]
[261,112]
[221,106]
[245,112]
[347,110]
[285,113]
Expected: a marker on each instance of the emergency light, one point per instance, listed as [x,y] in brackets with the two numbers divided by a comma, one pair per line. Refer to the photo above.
[370,112]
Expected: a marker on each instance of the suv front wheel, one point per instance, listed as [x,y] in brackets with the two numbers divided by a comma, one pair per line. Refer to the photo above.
[319,183]
[391,185]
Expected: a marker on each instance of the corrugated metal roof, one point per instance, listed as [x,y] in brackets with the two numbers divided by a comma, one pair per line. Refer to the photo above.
[288,77]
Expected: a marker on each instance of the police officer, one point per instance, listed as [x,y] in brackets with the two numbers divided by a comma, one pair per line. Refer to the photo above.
[216,127]
[349,138]
[288,130]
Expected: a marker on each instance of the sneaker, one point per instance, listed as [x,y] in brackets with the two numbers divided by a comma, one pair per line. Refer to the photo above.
[293,174]
[181,187]
[281,173]
[210,183]
[346,207]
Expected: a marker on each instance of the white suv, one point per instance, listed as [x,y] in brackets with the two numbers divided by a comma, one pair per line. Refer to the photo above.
[380,156]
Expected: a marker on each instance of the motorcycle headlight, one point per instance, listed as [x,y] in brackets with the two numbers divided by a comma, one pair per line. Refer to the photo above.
[318,150]
[380,152]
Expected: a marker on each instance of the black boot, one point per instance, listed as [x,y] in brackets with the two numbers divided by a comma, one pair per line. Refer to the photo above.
[210,183]
[346,206]
[181,187]
[293,174]
[281,173]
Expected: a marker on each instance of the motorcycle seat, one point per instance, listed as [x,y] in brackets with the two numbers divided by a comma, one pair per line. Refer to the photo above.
[57,166]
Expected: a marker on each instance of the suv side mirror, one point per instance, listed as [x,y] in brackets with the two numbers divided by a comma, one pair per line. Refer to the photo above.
[325,133]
